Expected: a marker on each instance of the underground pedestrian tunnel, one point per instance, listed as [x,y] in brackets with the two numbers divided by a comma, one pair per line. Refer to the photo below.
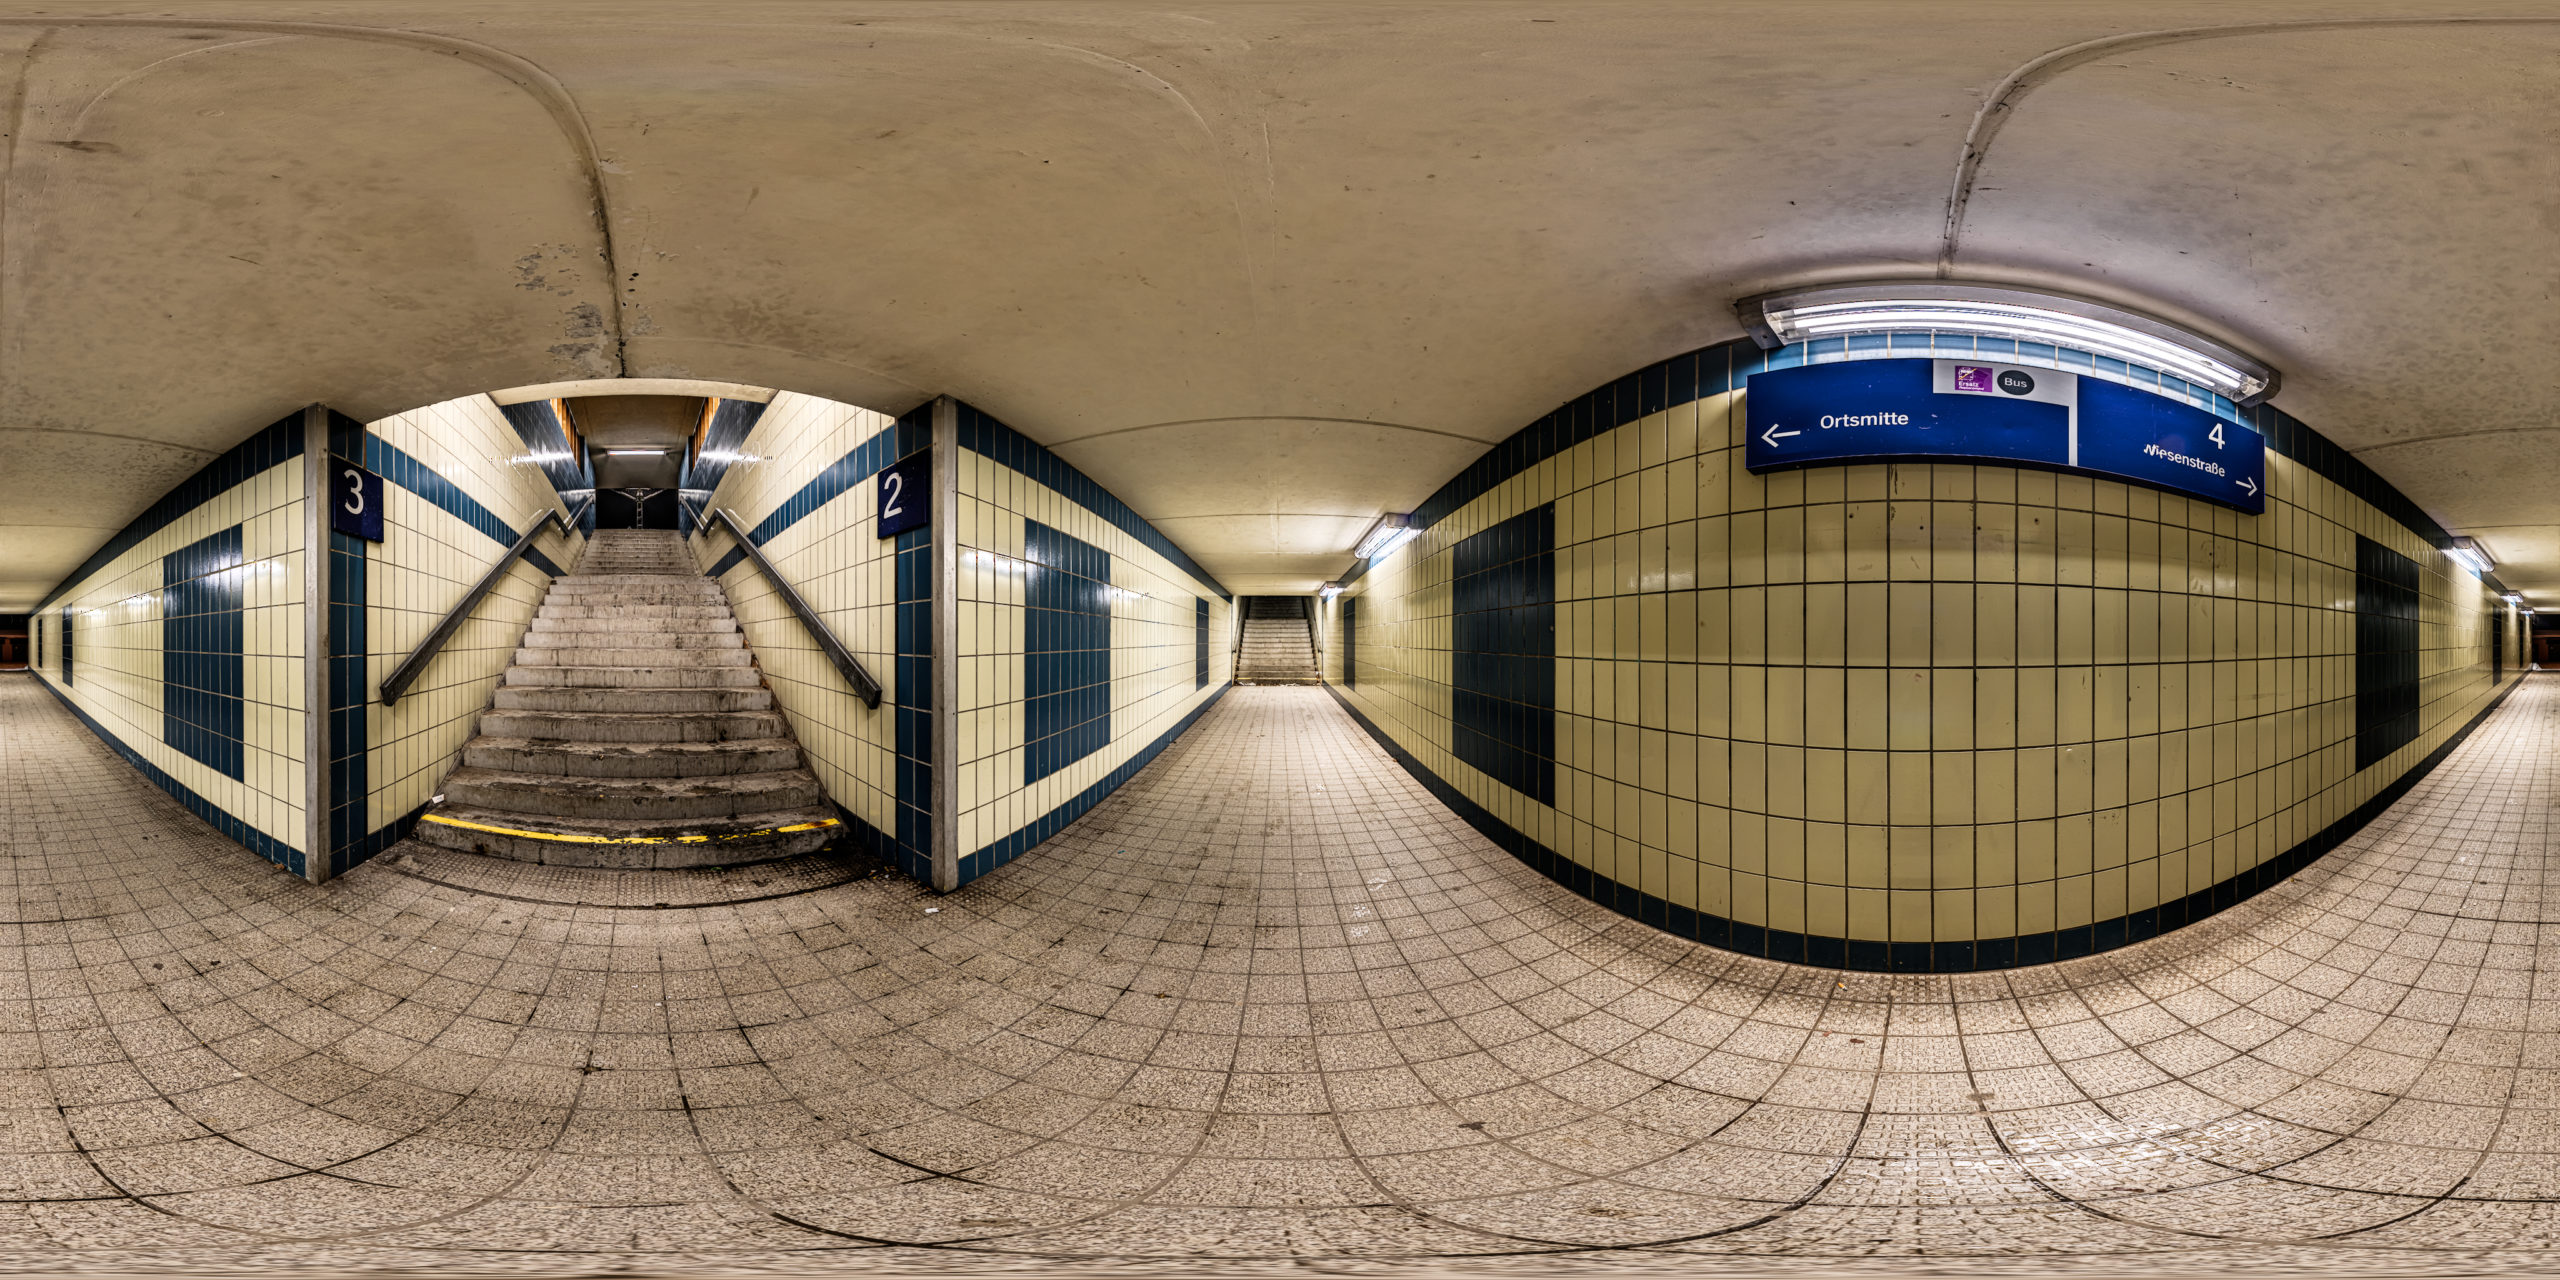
[1635,638]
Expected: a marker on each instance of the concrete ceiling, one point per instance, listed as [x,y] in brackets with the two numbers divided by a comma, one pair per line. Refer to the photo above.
[1266,270]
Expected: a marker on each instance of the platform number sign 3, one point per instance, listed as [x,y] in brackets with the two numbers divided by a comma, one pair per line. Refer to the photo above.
[355,500]
[906,494]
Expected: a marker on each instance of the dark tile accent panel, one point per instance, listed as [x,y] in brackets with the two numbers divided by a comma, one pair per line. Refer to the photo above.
[2387,651]
[1714,370]
[273,444]
[1502,662]
[350,746]
[202,593]
[1200,645]
[1351,644]
[982,434]
[542,433]
[1913,957]
[914,702]
[238,832]
[731,421]
[974,865]
[67,625]
[1066,651]
[911,846]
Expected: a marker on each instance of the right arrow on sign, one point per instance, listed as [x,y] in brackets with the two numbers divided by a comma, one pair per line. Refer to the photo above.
[1771,436]
[2250,484]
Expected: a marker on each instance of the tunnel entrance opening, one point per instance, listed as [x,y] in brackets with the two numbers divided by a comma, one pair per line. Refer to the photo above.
[636,508]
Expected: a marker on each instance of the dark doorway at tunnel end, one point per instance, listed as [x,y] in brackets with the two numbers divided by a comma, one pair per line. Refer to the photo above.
[635,508]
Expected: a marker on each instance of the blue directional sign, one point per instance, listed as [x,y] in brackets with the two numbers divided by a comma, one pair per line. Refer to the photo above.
[1982,411]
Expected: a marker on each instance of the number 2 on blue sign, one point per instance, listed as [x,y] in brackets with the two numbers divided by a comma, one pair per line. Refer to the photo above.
[889,508]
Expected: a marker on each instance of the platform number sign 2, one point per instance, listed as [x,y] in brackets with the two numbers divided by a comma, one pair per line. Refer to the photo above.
[906,494]
[355,500]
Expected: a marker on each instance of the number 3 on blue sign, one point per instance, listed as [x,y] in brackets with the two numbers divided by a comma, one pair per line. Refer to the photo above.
[906,494]
[356,508]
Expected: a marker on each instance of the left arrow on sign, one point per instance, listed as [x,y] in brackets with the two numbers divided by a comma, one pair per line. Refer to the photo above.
[1771,436]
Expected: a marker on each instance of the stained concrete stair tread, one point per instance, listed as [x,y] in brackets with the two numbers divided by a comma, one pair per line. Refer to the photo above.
[590,726]
[663,676]
[658,800]
[534,655]
[610,700]
[620,843]
[672,759]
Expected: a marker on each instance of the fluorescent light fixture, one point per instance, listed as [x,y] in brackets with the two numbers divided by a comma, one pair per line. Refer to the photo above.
[1389,533]
[635,453]
[2513,597]
[544,458]
[2027,315]
[1329,590]
[2468,554]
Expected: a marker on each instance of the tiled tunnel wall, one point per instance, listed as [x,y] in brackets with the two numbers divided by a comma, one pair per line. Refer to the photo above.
[1896,716]
[800,474]
[180,643]
[1081,633]
[460,482]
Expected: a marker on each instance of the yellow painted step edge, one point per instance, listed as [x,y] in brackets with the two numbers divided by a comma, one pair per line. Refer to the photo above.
[566,838]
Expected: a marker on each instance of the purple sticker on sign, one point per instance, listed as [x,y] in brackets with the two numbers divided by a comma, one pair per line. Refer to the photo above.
[1973,377]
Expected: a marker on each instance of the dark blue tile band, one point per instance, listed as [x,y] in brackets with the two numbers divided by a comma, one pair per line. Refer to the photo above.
[277,443]
[1910,957]
[995,855]
[234,829]
[982,434]
[1714,370]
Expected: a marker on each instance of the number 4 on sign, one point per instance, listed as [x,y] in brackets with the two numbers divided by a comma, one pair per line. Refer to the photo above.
[2216,435]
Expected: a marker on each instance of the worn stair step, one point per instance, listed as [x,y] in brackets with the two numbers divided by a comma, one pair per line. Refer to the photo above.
[753,837]
[635,626]
[636,635]
[633,799]
[603,583]
[570,700]
[624,589]
[589,726]
[632,759]
[601,612]
[660,677]
[653,656]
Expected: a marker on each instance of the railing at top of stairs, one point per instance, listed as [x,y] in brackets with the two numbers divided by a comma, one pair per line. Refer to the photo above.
[864,687]
[415,665]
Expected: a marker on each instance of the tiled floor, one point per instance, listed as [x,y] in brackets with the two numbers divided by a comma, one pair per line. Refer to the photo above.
[1269,1003]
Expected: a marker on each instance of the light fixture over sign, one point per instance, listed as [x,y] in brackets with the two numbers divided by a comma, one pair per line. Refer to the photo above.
[1989,311]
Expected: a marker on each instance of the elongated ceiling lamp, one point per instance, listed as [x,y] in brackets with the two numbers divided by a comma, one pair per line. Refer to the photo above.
[1988,311]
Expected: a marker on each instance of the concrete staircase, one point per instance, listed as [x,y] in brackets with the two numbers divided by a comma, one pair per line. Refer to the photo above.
[633,730]
[1278,648]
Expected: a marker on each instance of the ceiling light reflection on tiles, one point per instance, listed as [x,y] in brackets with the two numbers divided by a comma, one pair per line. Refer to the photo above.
[2022,315]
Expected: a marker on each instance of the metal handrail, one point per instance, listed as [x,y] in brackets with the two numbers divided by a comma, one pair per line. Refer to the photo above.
[864,686]
[415,665]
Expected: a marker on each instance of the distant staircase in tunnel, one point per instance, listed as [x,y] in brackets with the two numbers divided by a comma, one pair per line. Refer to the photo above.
[633,730]
[1279,642]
